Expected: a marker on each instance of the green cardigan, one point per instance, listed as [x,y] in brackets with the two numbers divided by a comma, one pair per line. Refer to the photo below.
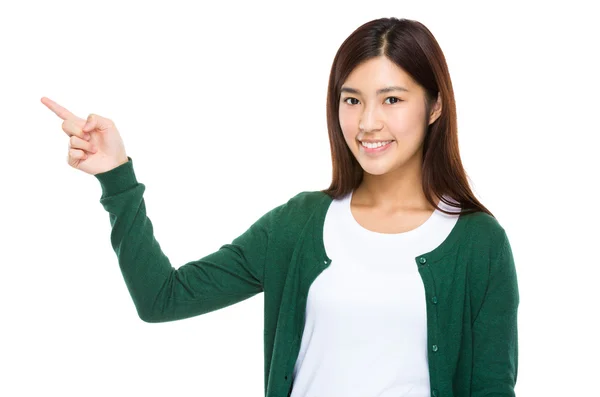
[470,284]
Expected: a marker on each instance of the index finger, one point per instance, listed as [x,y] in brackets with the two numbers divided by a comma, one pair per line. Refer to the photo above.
[56,108]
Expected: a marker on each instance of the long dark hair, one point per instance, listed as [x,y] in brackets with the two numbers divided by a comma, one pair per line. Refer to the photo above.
[411,46]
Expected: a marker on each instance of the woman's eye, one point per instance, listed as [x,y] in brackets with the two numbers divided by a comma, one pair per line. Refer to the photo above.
[393,97]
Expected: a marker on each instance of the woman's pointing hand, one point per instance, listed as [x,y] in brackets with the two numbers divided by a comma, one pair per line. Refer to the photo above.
[95,145]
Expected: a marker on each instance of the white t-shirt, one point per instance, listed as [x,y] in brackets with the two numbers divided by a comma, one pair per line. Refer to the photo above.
[365,332]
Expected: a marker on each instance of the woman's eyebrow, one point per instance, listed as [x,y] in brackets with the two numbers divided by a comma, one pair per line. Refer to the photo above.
[380,91]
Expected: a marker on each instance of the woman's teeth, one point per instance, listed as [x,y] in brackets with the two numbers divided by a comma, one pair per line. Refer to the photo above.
[375,145]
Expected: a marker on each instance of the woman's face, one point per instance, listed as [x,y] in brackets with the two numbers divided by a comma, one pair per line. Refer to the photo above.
[396,115]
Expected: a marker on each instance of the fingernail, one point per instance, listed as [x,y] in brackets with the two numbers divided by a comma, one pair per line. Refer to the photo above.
[86,136]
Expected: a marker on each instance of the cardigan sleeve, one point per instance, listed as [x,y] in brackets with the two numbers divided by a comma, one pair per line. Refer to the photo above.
[495,336]
[160,292]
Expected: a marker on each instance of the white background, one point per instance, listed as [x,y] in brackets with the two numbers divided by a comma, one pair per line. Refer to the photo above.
[222,108]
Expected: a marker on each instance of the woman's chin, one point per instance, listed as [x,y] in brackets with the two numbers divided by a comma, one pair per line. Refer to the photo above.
[376,169]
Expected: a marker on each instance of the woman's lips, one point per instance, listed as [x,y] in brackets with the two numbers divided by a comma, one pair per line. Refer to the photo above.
[376,150]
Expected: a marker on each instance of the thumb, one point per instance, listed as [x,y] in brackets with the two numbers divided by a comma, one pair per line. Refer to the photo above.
[91,123]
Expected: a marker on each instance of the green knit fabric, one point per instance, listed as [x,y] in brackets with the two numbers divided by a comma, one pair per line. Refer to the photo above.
[470,285]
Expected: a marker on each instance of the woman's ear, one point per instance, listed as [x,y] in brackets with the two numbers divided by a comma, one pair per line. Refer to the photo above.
[436,111]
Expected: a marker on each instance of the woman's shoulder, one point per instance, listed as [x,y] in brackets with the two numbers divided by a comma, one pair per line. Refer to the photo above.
[484,235]
[301,207]
[305,202]
[482,223]
[309,197]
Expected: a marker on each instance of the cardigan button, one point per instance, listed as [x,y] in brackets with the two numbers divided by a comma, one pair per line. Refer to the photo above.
[434,348]
[434,393]
[434,300]
[422,260]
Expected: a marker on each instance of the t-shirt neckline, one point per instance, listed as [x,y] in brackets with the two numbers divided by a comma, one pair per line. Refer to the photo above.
[409,234]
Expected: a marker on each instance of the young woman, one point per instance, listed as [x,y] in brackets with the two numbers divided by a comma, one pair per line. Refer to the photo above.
[393,281]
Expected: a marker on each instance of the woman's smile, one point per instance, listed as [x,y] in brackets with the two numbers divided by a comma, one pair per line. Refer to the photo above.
[375,150]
